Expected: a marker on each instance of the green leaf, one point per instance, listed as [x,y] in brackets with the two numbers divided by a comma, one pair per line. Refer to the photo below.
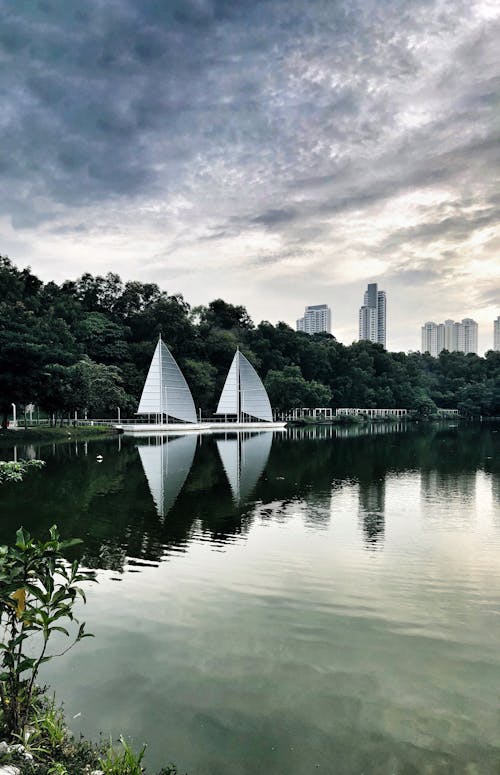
[22,538]
[60,629]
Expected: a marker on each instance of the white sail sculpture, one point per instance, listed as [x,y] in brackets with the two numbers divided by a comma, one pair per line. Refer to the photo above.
[166,465]
[244,459]
[166,392]
[243,394]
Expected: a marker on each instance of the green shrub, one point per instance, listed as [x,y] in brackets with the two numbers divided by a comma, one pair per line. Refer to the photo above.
[125,761]
[14,471]
[38,590]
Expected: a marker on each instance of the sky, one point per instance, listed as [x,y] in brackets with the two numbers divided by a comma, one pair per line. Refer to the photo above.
[275,153]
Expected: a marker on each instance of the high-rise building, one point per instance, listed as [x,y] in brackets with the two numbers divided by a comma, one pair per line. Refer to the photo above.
[467,336]
[461,337]
[372,315]
[433,338]
[317,318]
[496,334]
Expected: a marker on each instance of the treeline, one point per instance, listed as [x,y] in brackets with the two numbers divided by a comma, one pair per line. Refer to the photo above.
[87,345]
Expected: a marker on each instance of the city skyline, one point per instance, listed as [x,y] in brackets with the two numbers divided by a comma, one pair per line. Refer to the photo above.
[251,151]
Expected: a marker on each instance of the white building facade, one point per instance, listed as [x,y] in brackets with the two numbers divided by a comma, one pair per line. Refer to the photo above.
[496,334]
[451,336]
[317,318]
[373,315]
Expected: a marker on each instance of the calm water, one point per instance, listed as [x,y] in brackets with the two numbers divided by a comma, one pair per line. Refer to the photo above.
[304,603]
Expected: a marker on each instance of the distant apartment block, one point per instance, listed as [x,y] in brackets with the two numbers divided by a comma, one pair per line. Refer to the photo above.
[317,318]
[372,315]
[455,337]
[496,334]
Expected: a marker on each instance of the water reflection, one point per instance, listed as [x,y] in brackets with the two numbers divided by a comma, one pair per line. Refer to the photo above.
[371,511]
[244,457]
[215,488]
[167,462]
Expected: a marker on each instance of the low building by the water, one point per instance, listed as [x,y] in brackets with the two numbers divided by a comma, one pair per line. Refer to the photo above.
[356,412]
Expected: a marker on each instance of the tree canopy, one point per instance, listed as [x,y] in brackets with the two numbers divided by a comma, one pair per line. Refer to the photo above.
[87,345]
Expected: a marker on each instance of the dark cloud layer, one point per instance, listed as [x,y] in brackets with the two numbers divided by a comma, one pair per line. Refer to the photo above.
[282,132]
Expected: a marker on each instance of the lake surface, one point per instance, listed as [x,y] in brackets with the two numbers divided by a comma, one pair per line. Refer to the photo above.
[315,601]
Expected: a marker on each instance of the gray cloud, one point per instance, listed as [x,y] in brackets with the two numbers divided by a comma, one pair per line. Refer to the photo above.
[270,133]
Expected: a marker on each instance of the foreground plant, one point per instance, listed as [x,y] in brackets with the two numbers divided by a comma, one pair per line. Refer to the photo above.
[38,592]
[14,471]
[124,761]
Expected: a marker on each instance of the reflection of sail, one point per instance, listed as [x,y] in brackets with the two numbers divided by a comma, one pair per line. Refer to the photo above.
[166,465]
[244,393]
[166,391]
[244,459]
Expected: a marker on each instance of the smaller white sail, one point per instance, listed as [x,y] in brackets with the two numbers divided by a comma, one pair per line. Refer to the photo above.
[243,392]
[165,391]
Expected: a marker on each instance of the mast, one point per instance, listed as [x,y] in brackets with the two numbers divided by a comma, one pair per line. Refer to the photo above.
[161,379]
[238,386]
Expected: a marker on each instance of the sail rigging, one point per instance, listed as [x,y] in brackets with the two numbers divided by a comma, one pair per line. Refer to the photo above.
[166,466]
[244,459]
[165,391]
[243,393]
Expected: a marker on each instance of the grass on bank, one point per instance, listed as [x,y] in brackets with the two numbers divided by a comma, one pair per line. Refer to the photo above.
[56,433]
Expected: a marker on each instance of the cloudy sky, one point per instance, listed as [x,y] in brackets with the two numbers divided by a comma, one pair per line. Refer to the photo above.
[276,153]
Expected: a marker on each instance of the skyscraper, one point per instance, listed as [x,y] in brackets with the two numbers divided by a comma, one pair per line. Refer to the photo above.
[372,315]
[467,336]
[461,337]
[317,318]
[433,338]
[496,334]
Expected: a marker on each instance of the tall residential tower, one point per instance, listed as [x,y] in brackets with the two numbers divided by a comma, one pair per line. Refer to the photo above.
[317,318]
[496,334]
[372,315]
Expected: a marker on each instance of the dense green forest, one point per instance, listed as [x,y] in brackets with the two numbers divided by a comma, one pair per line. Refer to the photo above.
[87,344]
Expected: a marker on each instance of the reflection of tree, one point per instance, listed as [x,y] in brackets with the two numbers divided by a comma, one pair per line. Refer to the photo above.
[109,505]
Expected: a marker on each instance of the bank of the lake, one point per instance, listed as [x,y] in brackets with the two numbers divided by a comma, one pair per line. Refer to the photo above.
[45,433]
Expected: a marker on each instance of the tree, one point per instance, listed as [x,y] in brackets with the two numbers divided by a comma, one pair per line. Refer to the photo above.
[288,389]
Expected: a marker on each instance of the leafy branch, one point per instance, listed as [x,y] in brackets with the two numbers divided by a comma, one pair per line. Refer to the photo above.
[38,592]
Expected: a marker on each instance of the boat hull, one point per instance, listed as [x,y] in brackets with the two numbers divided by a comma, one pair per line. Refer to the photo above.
[201,427]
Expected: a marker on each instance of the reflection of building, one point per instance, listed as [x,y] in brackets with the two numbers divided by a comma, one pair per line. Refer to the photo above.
[495,489]
[372,315]
[317,318]
[454,489]
[372,510]
[451,336]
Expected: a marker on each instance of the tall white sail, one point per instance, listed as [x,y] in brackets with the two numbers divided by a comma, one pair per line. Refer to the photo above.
[244,459]
[165,391]
[243,392]
[166,465]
